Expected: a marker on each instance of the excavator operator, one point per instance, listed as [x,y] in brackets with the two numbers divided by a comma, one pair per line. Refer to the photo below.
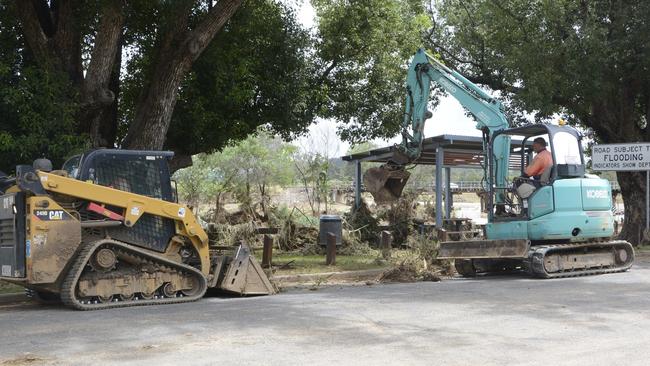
[542,160]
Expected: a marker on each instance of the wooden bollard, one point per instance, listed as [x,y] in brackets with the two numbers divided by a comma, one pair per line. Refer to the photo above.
[330,260]
[442,235]
[267,252]
[386,243]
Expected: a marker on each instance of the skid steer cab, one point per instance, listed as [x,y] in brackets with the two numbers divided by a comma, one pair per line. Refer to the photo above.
[106,231]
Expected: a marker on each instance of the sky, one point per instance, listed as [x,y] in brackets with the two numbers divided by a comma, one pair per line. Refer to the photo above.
[448,118]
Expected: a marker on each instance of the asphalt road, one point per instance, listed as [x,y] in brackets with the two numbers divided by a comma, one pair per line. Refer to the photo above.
[600,320]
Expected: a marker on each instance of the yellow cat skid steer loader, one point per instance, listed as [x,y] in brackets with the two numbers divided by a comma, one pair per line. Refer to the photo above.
[106,231]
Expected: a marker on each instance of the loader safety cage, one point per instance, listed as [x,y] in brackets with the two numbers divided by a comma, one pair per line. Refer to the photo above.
[141,172]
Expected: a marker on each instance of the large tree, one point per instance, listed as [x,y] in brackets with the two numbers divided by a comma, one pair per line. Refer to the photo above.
[362,52]
[123,65]
[60,33]
[588,60]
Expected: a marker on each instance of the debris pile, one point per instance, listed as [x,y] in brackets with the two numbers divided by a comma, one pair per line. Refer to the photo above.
[231,235]
[400,216]
[361,221]
[352,244]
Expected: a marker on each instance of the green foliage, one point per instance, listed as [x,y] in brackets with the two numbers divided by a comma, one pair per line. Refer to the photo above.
[362,53]
[37,107]
[313,173]
[38,110]
[362,147]
[260,161]
[586,59]
[244,169]
[193,182]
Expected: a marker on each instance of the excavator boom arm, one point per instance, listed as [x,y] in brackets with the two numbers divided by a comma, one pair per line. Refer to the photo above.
[488,112]
[423,71]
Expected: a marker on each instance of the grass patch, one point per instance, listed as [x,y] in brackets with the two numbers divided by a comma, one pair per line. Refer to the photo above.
[8,288]
[316,263]
[642,249]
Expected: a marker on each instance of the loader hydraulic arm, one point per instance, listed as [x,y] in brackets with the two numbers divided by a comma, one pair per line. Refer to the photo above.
[488,112]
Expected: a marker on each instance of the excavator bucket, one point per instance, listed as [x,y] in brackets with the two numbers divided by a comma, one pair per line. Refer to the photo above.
[242,274]
[385,184]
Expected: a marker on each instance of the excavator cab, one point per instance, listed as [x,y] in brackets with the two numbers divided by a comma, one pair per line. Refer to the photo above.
[564,144]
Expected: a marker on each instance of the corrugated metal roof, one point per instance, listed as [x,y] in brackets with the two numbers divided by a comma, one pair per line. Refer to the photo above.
[459,151]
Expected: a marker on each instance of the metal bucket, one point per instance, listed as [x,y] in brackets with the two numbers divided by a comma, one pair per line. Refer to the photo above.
[385,184]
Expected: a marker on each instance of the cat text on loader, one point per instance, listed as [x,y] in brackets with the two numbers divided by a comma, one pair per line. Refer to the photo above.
[106,231]
[556,224]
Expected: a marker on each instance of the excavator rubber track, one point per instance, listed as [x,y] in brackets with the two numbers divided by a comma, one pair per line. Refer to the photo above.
[579,259]
[147,263]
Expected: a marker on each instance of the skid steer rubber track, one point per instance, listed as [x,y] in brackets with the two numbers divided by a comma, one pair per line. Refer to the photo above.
[579,259]
[150,263]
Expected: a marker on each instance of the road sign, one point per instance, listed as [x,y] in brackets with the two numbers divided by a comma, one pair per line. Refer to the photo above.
[625,157]
[621,157]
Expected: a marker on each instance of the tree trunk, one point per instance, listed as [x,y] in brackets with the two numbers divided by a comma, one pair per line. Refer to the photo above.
[101,84]
[179,50]
[52,32]
[179,161]
[217,207]
[633,191]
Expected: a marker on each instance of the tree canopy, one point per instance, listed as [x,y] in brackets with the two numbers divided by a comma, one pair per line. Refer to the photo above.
[187,75]
[362,53]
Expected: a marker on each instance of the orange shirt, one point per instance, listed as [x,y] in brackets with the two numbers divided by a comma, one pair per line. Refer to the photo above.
[542,160]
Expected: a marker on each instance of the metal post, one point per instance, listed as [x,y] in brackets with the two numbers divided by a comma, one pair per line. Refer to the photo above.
[449,199]
[440,159]
[330,259]
[357,184]
[267,252]
[647,200]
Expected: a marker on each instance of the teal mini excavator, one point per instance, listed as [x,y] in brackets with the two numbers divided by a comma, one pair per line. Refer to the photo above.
[558,224]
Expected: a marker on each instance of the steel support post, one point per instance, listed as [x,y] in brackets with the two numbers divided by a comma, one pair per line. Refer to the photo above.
[449,198]
[357,184]
[440,159]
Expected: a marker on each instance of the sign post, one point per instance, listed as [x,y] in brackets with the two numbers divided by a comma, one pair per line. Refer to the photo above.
[625,157]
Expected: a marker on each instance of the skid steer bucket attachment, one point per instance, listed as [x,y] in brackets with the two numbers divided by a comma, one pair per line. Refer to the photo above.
[385,183]
[243,275]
